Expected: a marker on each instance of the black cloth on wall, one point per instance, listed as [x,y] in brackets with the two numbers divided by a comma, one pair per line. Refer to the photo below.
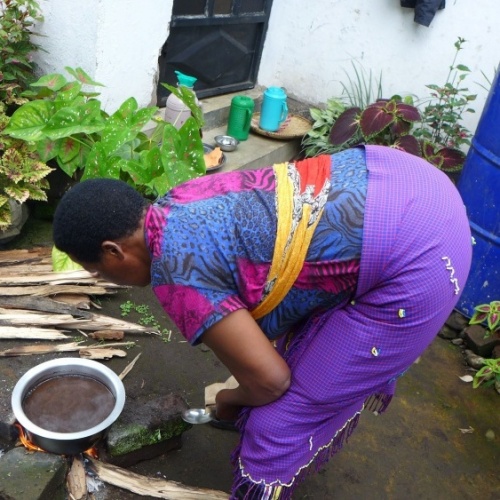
[424,9]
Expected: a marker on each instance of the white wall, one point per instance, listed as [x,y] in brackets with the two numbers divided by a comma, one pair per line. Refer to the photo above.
[117,42]
[308,49]
[310,46]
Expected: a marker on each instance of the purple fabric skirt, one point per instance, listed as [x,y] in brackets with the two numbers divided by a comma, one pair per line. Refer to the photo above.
[415,260]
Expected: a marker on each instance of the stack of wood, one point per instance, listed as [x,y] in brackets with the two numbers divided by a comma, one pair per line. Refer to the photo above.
[37,303]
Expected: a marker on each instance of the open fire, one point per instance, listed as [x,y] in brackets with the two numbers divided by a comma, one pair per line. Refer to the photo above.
[25,441]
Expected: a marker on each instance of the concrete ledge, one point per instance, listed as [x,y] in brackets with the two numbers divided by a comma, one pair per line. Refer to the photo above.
[25,475]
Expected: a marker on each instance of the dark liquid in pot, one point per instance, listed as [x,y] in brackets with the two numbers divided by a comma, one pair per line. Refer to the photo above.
[68,403]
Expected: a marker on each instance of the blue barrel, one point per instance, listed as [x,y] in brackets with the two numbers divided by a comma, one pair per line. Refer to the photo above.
[479,186]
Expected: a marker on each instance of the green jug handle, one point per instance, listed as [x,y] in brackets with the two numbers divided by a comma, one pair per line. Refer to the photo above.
[248,119]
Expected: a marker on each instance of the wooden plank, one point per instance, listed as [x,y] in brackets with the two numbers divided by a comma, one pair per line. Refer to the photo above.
[30,333]
[42,304]
[52,290]
[153,487]
[10,317]
[40,349]
[78,300]
[92,321]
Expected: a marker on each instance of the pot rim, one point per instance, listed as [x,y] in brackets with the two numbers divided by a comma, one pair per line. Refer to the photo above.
[23,386]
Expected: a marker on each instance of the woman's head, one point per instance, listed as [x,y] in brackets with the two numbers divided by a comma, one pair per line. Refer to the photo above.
[95,211]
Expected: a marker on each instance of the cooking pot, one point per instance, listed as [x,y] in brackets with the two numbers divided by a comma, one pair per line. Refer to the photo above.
[67,443]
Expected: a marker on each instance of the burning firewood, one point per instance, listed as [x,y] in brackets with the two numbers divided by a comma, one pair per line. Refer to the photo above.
[76,481]
[153,487]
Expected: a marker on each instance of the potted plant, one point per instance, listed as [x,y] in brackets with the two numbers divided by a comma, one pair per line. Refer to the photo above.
[483,332]
[69,127]
[488,375]
[22,177]
[17,69]
[390,122]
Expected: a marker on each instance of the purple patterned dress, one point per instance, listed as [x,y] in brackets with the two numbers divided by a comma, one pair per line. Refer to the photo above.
[385,267]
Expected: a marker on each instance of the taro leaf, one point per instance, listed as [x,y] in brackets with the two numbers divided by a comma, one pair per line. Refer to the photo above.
[115,135]
[453,159]
[62,262]
[69,93]
[133,117]
[192,148]
[96,157]
[82,77]
[188,97]
[409,144]
[78,162]
[68,149]
[345,127]
[47,149]
[54,81]
[84,119]
[146,167]
[375,119]
[28,121]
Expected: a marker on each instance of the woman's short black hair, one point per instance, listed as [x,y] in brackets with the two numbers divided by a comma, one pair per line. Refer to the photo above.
[94,211]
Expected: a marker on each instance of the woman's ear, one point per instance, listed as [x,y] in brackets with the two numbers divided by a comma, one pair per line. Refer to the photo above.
[111,249]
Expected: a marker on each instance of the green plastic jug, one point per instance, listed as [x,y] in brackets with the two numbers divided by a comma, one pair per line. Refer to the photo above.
[240,116]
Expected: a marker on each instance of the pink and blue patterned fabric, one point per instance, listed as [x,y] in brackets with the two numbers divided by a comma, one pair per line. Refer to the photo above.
[212,242]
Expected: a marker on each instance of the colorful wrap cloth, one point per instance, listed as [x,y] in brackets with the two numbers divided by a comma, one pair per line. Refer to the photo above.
[415,260]
[301,193]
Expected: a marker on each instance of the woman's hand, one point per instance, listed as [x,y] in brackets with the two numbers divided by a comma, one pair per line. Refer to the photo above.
[225,411]
[262,373]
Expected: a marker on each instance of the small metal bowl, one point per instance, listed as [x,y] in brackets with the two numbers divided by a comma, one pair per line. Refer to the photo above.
[226,142]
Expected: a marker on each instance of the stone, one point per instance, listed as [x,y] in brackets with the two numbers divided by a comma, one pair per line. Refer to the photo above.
[495,354]
[457,321]
[478,343]
[153,424]
[8,433]
[29,475]
[447,333]
[473,360]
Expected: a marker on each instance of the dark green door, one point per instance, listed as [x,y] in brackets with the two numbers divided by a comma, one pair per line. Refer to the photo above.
[217,41]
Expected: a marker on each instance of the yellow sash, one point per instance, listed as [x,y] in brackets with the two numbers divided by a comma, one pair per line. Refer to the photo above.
[301,192]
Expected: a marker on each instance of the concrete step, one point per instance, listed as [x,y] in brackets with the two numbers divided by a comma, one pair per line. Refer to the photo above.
[258,150]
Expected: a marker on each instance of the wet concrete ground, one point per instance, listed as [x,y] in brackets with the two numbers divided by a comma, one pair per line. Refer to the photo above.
[416,450]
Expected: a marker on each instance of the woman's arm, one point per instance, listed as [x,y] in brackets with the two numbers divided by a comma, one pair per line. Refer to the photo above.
[262,374]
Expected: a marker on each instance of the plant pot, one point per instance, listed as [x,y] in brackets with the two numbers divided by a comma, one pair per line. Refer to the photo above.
[19,215]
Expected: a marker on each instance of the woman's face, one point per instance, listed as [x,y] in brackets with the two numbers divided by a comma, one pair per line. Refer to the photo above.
[124,271]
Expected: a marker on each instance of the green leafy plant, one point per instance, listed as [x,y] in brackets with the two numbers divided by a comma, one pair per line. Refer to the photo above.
[69,126]
[362,88]
[22,174]
[17,69]
[489,313]
[390,122]
[443,113]
[489,374]
[146,318]
[316,141]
